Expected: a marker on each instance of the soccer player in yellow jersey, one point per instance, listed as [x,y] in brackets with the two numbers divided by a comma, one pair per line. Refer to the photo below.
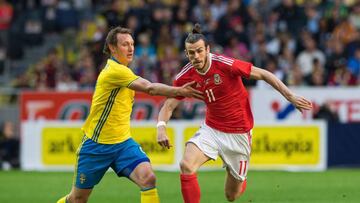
[107,141]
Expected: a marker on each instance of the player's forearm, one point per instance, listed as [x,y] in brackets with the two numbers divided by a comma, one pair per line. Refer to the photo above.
[163,90]
[277,84]
[167,109]
[164,114]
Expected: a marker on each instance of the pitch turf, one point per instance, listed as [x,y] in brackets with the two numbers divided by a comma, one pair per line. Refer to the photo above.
[331,186]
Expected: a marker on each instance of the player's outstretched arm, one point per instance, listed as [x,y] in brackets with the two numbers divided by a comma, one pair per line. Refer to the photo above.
[164,116]
[146,86]
[299,102]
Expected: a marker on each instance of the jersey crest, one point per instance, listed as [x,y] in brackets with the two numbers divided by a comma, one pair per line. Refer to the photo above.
[217,79]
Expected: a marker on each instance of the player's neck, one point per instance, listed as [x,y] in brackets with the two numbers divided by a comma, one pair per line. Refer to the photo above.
[117,60]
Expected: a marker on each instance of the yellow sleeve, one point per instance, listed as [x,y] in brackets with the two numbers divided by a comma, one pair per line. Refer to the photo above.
[119,75]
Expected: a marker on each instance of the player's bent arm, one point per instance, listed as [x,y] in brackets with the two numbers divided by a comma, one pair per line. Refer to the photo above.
[164,116]
[261,74]
[150,88]
[167,109]
[300,102]
[146,86]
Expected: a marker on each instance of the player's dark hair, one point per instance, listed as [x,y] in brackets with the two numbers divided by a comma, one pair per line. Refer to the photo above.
[196,35]
[111,38]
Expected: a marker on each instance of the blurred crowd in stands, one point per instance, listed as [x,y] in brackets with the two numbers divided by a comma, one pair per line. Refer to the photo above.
[303,42]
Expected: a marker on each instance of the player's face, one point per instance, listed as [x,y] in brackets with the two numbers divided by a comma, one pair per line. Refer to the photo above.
[124,50]
[197,54]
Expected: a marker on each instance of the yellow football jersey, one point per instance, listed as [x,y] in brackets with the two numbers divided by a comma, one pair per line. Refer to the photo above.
[109,118]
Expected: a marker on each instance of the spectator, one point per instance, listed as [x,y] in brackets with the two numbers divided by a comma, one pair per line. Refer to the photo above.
[200,11]
[237,49]
[313,18]
[295,77]
[115,13]
[355,16]
[261,57]
[291,16]
[344,31]
[354,64]
[306,57]
[66,16]
[169,64]
[9,146]
[342,76]
[317,76]
[2,58]
[335,57]
[217,9]
[272,67]
[6,15]
[327,113]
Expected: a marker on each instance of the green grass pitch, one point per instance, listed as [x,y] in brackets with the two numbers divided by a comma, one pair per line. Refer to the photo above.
[332,186]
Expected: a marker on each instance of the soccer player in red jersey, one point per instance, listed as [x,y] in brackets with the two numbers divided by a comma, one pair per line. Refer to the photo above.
[226,131]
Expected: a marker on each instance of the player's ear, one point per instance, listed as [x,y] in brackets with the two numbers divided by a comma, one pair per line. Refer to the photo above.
[112,48]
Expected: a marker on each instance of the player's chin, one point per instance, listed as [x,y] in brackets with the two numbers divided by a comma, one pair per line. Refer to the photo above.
[130,58]
[198,66]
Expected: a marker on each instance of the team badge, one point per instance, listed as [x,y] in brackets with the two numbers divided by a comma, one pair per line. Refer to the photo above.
[82,178]
[217,79]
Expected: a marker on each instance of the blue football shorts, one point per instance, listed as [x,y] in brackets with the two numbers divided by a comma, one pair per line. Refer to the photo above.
[94,159]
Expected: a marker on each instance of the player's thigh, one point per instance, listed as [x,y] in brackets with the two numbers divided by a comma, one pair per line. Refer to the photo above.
[93,160]
[232,185]
[200,148]
[128,158]
[235,153]
[194,156]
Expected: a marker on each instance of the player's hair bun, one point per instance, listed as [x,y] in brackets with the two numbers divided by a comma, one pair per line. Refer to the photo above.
[196,29]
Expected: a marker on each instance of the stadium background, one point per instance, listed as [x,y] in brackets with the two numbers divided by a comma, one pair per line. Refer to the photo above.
[54,47]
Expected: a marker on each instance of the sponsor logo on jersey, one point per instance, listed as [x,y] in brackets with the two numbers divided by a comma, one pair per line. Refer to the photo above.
[207,81]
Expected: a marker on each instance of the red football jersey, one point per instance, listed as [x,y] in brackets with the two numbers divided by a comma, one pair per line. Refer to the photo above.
[227,101]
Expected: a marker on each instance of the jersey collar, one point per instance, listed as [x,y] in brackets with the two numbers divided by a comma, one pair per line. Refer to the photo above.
[114,59]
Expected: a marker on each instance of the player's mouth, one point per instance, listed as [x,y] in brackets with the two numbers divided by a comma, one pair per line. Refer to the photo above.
[197,62]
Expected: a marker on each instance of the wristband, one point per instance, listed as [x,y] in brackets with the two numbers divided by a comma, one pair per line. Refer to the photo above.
[161,123]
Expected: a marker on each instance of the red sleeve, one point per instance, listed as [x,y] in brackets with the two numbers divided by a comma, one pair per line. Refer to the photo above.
[241,68]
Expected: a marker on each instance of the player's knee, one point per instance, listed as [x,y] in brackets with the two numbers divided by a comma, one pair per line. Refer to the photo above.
[79,198]
[186,167]
[148,180]
[232,196]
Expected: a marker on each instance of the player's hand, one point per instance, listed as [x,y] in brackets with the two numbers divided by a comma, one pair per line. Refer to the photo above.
[162,138]
[187,91]
[300,103]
